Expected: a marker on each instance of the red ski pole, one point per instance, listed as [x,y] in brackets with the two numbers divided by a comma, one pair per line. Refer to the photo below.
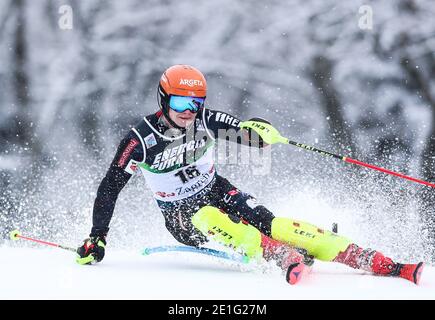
[360,163]
[15,235]
[270,135]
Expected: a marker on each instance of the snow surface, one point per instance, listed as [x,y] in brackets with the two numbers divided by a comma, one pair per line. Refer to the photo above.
[33,273]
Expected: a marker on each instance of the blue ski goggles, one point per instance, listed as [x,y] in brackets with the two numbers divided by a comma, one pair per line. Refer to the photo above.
[181,103]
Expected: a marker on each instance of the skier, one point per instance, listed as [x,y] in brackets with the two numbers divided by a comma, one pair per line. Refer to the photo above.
[173,149]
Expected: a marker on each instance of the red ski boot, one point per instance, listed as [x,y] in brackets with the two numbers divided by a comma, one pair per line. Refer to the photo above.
[376,262]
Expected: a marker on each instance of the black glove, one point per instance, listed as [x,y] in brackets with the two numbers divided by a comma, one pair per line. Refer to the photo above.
[92,250]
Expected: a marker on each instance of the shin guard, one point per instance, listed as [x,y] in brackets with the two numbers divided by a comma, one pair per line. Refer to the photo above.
[322,244]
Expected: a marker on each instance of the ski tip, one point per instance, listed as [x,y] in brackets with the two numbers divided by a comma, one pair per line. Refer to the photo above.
[417,273]
[294,273]
[14,235]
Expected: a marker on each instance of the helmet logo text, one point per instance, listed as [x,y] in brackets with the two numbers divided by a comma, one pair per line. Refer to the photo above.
[191,82]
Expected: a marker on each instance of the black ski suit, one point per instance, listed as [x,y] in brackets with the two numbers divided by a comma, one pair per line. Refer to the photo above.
[180,170]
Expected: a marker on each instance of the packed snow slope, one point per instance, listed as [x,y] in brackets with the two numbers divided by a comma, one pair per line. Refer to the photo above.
[33,273]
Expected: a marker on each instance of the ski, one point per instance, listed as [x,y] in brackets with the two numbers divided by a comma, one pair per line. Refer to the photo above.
[296,272]
[411,272]
[207,251]
[417,273]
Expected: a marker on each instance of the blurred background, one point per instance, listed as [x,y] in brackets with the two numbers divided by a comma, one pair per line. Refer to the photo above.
[352,77]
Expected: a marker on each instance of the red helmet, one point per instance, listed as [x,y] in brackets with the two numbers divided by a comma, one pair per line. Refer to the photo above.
[183,80]
[180,80]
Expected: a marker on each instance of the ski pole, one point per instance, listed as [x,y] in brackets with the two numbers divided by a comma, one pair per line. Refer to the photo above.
[270,135]
[15,235]
[360,163]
